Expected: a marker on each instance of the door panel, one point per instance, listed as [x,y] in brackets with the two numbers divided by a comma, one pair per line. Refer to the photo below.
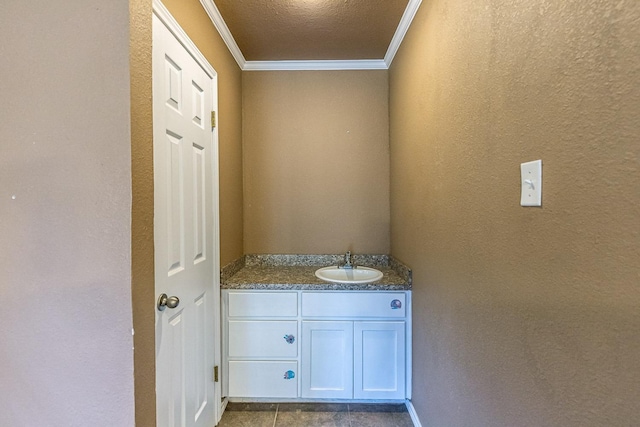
[175,205]
[176,343]
[200,200]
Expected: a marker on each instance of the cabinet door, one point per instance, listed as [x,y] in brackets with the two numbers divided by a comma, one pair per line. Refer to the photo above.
[327,360]
[379,360]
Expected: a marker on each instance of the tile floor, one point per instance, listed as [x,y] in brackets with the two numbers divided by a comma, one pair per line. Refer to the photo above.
[315,415]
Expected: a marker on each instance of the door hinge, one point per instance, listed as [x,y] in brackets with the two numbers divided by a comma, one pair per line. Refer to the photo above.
[215,374]
[213,119]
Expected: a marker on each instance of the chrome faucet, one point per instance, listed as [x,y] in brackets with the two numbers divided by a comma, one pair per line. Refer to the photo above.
[347,262]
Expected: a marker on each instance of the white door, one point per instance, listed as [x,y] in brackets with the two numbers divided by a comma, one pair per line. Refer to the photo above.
[185,232]
[327,359]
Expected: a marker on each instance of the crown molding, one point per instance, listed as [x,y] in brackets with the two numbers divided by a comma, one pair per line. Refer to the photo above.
[172,25]
[401,31]
[221,26]
[359,64]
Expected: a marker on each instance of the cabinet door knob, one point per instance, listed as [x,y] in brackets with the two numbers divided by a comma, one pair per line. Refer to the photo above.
[289,375]
[396,304]
[290,339]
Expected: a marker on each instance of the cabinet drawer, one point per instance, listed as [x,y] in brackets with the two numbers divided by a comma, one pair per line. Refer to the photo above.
[263,339]
[263,379]
[263,304]
[354,304]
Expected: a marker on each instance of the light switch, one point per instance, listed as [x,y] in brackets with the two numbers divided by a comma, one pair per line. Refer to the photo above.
[531,181]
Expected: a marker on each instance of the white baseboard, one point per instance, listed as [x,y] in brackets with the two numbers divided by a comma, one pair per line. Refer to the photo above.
[413,414]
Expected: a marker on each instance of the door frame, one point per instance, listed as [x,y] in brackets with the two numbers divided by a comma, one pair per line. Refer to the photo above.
[165,17]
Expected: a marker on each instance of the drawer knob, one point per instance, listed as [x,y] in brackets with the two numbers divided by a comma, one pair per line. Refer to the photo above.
[289,375]
[290,339]
[396,304]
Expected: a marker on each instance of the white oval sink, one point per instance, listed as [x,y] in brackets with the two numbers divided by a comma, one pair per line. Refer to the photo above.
[348,275]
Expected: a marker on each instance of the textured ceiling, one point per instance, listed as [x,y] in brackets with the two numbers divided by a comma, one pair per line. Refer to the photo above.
[275,30]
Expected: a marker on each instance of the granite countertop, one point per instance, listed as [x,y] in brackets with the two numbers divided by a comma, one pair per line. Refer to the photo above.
[297,272]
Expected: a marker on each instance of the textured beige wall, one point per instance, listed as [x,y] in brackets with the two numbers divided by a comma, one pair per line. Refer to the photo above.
[66,355]
[142,252]
[316,161]
[522,316]
[194,20]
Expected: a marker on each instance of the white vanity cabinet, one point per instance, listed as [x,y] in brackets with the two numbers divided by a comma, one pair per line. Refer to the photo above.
[317,344]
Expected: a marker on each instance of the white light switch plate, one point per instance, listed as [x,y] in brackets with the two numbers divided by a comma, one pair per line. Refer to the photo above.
[531,183]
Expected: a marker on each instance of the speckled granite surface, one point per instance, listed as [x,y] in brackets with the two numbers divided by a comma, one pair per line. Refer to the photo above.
[286,272]
[231,269]
[314,260]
